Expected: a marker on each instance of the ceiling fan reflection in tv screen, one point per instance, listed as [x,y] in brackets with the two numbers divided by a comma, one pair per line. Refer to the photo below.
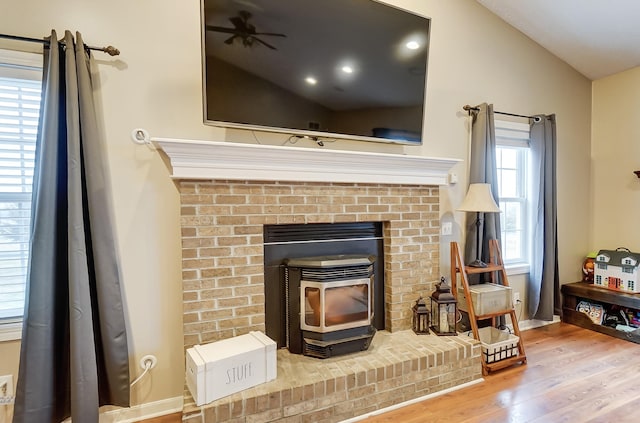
[341,69]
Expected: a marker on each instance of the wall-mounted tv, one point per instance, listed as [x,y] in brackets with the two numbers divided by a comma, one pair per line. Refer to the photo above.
[325,69]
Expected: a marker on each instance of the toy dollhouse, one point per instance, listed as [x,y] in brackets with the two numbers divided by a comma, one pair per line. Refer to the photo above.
[617,270]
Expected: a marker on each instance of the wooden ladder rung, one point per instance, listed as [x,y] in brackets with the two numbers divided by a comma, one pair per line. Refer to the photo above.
[495,265]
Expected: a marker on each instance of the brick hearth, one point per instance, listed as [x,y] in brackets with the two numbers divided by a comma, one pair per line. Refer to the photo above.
[223,279]
[398,367]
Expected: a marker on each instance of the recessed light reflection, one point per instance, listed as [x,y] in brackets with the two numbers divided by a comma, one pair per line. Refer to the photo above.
[347,69]
[412,45]
[311,80]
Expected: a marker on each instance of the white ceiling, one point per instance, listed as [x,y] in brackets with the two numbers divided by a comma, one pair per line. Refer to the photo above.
[596,37]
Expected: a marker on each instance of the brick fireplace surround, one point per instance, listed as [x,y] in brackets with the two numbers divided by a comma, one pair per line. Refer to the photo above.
[223,290]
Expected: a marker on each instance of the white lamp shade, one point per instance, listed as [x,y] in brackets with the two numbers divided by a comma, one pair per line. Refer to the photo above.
[479,199]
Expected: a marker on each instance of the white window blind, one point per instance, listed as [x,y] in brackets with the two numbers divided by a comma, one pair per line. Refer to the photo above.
[513,187]
[20,90]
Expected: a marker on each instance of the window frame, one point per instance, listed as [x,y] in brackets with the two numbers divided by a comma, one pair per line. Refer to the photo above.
[516,135]
[24,65]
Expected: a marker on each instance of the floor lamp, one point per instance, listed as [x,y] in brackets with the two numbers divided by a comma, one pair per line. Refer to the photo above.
[479,200]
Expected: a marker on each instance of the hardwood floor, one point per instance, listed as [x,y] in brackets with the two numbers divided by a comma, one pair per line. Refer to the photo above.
[572,375]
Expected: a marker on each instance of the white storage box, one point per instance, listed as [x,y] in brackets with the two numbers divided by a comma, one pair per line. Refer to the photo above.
[224,367]
[486,298]
[497,345]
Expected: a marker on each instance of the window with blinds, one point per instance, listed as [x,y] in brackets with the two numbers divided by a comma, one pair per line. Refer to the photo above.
[512,163]
[20,89]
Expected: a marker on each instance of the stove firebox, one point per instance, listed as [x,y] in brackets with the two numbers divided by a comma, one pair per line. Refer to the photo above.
[340,265]
[329,304]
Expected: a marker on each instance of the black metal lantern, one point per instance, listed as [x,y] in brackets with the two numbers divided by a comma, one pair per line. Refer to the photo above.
[444,310]
[420,317]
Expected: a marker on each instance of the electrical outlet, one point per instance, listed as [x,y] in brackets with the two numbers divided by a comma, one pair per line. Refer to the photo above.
[447,228]
[516,297]
[6,386]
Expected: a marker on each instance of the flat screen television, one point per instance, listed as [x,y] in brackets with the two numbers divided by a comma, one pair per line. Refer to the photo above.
[323,69]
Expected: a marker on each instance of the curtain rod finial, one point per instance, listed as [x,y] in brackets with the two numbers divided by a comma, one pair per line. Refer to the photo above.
[111,51]
[470,109]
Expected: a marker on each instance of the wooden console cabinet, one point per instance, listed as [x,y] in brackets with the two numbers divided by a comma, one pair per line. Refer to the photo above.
[573,293]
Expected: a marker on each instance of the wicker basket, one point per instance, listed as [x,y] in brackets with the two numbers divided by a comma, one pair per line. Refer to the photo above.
[497,345]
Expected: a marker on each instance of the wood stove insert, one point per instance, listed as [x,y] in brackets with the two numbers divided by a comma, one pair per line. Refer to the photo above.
[329,254]
[329,304]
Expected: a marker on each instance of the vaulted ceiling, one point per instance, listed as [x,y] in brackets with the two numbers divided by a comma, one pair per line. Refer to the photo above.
[596,37]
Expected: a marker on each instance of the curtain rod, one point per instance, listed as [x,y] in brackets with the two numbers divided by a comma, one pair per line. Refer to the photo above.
[476,109]
[110,50]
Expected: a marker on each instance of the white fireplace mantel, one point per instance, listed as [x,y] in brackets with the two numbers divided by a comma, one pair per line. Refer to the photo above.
[192,159]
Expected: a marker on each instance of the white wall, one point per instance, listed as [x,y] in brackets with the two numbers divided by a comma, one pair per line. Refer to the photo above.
[615,154]
[475,57]
[156,84]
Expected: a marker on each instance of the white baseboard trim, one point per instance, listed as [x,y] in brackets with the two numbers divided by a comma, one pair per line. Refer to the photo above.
[535,323]
[143,411]
[413,401]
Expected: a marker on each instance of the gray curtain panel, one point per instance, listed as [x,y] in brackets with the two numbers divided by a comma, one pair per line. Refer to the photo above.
[74,354]
[482,169]
[544,286]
